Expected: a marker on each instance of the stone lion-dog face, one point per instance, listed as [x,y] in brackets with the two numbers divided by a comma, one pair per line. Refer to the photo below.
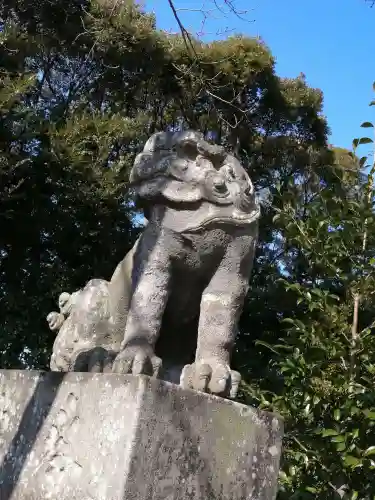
[177,296]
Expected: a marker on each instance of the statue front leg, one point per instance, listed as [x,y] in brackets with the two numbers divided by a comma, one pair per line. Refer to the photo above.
[220,309]
[149,299]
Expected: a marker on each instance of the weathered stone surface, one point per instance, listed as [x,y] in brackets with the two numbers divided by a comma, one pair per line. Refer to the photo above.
[177,296]
[81,436]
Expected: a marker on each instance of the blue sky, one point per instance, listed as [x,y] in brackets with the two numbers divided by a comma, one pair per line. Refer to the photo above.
[331,41]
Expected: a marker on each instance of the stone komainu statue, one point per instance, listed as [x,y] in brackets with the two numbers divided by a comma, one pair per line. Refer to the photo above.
[178,294]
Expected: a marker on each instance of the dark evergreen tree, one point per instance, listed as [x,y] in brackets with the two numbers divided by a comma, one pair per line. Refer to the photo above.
[82,86]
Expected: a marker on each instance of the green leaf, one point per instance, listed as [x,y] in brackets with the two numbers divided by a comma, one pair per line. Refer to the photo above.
[362,161]
[268,346]
[329,432]
[341,446]
[338,439]
[288,320]
[354,410]
[316,400]
[282,475]
[354,495]
[370,414]
[355,433]
[372,103]
[351,461]
[337,414]
[355,143]
[369,451]
[365,140]
[367,125]
[310,489]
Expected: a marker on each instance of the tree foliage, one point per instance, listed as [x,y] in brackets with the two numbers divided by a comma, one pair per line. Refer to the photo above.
[82,86]
[320,376]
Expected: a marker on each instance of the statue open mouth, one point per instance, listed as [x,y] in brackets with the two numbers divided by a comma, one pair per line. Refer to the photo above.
[217,215]
[195,219]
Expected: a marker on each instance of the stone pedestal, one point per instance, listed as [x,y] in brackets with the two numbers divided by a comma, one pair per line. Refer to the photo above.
[79,436]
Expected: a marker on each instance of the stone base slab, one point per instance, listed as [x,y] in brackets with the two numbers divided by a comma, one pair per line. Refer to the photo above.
[83,436]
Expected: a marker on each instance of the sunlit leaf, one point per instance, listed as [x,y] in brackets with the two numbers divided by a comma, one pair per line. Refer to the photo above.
[362,161]
[370,414]
[352,461]
[311,489]
[329,432]
[338,439]
[365,140]
[369,451]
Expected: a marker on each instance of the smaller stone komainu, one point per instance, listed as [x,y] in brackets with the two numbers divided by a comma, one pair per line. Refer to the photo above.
[173,303]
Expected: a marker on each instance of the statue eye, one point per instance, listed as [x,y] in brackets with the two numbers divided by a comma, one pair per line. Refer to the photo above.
[231,173]
[248,190]
[187,150]
[190,150]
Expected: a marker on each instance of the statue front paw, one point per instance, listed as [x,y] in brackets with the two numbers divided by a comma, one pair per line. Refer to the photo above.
[137,360]
[211,376]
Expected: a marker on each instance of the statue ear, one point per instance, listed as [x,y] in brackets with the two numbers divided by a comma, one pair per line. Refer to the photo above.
[169,189]
[148,165]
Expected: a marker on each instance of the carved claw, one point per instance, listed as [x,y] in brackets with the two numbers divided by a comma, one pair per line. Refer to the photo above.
[211,376]
[97,360]
[138,360]
[55,321]
[59,363]
[64,302]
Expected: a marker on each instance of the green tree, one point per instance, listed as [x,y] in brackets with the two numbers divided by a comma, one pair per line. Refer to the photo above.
[87,82]
[64,213]
[82,85]
[321,373]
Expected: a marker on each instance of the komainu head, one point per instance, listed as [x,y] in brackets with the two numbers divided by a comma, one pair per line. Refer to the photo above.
[183,171]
